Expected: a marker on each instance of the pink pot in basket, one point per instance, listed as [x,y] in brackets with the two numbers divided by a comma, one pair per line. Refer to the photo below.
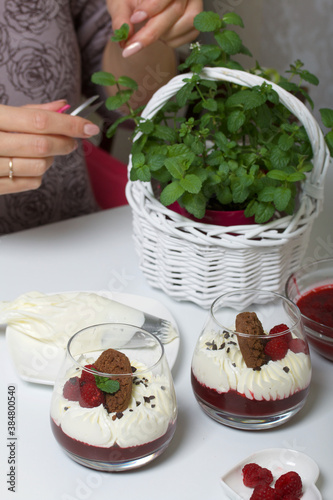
[216,217]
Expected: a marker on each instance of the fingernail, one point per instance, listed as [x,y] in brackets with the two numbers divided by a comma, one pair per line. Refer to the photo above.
[132,49]
[91,129]
[63,109]
[139,16]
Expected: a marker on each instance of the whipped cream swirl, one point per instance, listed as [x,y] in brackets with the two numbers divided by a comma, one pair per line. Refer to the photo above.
[224,369]
[152,408]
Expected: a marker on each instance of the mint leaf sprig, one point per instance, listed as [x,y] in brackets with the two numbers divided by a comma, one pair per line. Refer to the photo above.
[121,35]
[126,87]
[228,43]
[106,384]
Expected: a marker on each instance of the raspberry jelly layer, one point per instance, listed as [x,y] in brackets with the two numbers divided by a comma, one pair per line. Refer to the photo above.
[238,404]
[113,454]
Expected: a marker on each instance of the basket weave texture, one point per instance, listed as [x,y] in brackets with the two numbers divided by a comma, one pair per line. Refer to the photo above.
[197,262]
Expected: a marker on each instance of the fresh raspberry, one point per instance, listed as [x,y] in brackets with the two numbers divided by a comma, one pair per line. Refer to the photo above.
[280,329]
[71,389]
[291,497]
[289,484]
[276,348]
[253,475]
[264,492]
[90,395]
[86,376]
[298,345]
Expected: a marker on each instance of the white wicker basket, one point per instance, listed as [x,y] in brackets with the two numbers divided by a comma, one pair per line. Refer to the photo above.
[197,262]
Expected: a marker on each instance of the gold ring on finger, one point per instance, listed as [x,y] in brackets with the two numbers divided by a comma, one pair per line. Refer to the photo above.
[10,173]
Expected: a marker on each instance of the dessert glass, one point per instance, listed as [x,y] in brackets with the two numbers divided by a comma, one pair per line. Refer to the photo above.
[121,440]
[244,397]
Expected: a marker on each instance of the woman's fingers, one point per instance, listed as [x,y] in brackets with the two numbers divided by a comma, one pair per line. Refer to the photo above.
[37,131]
[24,167]
[30,137]
[19,184]
[174,33]
[35,146]
[121,11]
[34,120]
[173,25]
[168,20]
[20,174]
[149,8]
[51,106]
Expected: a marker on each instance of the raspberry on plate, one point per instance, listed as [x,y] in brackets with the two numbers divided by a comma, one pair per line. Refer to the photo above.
[264,492]
[71,389]
[289,484]
[276,348]
[90,395]
[254,474]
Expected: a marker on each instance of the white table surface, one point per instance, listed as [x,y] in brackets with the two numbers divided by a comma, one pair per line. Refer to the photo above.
[96,252]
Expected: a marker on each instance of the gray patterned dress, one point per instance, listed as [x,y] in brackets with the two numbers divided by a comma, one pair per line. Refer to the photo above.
[48,51]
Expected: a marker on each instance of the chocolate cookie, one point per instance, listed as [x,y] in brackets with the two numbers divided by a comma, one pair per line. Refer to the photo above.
[252,348]
[115,362]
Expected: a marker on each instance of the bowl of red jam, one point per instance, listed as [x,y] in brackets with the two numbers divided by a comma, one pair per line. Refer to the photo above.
[311,289]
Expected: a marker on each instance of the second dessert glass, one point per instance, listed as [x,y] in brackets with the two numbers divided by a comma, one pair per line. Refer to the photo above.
[258,377]
[88,416]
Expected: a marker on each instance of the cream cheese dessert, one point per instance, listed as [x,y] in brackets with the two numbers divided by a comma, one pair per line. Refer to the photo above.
[54,318]
[221,378]
[93,433]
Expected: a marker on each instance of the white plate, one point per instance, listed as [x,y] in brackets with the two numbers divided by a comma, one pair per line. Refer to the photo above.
[278,461]
[40,362]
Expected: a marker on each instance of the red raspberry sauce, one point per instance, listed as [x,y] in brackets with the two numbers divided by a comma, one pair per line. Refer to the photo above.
[238,404]
[113,454]
[317,304]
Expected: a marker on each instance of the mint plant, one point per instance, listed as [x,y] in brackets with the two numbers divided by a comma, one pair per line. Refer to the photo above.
[236,147]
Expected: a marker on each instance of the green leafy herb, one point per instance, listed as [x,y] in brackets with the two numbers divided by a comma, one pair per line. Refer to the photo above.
[234,146]
[121,34]
[107,384]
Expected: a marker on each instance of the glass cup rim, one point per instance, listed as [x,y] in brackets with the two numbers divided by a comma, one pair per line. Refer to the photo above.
[306,270]
[120,375]
[257,290]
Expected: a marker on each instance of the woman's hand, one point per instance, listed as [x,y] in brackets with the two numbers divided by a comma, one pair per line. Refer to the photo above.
[170,21]
[30,137]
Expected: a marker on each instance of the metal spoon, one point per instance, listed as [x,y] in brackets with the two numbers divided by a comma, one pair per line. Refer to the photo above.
[86,108]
